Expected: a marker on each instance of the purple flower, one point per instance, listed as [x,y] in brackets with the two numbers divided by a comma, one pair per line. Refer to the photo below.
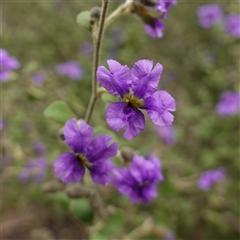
[86,48]
[7,64]
[169,235]
[167,134]
[155,30]
[38,78]
[209,15]
[36,168]
[164,6]
[87,152]
[2,124]
[210,177]
[39,147]
[70,69]
[138,90]
[138,181]
[229,103]
[232,25]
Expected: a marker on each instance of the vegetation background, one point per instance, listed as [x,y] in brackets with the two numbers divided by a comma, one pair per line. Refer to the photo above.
[198,65]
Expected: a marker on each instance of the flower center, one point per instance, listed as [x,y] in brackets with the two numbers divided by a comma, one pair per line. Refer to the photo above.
[133,101]
[84,160]
[143,184]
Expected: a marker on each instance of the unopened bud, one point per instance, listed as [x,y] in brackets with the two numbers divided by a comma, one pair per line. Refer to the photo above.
[78,192]
[95,13]
[52,187]
[127,154]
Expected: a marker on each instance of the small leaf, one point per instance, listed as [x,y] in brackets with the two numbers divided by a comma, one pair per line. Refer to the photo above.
[83,20]
[59,111]
[82,210]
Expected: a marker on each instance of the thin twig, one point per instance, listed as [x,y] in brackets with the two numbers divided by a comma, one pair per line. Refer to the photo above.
[97,48]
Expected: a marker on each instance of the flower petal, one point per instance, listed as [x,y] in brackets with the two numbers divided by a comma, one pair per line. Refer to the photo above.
[100,148]
[68,168]
[77,137]
[117,80]
[145,81]
[100,172]
[157,107]
[134,125]
[149,192]
[155,30]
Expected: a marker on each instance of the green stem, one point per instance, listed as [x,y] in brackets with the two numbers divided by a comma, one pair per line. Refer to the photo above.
[97,48]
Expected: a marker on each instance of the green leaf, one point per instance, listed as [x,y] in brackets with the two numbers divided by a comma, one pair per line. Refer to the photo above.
[82,210]
[59,111]
[114,224]
[83,20]
[108,98]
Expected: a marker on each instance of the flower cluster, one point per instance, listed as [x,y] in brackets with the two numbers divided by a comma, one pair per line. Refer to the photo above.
[70,69]
[138,181]
[229,103]
[152,13]
[232,25]
[209,15]
[87,152]
[210,177]
[36,168]
[138,90]
[7,64]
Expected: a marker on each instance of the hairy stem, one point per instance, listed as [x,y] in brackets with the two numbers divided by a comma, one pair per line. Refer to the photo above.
[97,48]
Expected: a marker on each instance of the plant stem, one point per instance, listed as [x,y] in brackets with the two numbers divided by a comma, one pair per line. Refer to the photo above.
[97,48]
[121,10]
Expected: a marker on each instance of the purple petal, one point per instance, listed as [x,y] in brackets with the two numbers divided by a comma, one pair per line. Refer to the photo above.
[78,137]
[144,79]
[100,148]
[157,107]
[119,115]
[149,192]
[155,31]
[100,172]
[68,168]
[4,75]
[117,80]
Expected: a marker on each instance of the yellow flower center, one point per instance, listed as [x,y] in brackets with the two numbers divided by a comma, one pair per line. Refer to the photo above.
[84,160]
[133,101]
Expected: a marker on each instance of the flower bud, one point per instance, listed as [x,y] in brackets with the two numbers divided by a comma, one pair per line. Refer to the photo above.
[95,13]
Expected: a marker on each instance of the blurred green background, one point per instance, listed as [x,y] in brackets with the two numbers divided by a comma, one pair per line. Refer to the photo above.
[198,66]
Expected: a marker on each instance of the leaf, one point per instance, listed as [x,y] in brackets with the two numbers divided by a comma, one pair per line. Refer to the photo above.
[59,111]
[82,210]
[83,20]
[114,224]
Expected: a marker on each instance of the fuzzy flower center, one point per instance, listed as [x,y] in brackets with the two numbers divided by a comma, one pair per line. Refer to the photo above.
[83,160]
[133,101]
[143,184]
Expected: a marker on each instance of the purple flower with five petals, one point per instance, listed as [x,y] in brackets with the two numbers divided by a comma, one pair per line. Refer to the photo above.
[7,64]
[210,177]
[232,25]
[209,15]
[138,181]
[138,90]
[87,152]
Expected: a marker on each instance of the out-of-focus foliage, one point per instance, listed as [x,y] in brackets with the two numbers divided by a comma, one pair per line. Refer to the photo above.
[199,65]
